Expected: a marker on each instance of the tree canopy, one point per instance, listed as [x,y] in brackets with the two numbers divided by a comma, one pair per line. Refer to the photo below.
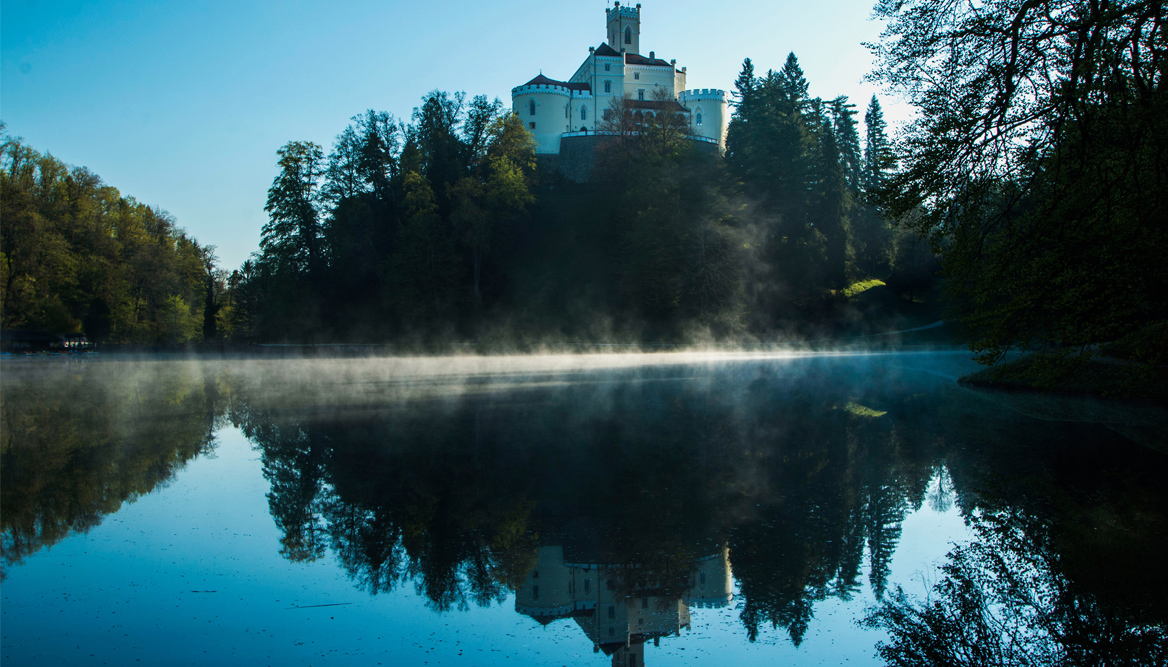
[78,256]
[1037,163]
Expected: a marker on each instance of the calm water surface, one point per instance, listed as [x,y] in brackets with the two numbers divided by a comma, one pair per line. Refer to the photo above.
[607,510]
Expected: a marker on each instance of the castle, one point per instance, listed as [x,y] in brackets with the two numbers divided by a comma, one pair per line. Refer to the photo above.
[621,606]
[561,113]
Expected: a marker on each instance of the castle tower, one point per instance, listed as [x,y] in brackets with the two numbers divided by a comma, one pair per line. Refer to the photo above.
[624,28]
[710,109]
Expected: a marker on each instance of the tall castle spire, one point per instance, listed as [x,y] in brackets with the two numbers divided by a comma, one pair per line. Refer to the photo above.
[624,28]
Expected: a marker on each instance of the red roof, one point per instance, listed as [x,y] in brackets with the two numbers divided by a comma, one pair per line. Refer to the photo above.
[667,105]
[634,59]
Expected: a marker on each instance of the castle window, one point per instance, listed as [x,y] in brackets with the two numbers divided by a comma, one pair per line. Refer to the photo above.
[587,585]
[608,86]
[637,75]
[611,611]
[531,108]
[607,67]
[641,95]
[535,592]
[608,114]
[532,125]
[583,113]
[628,35]
[699,118]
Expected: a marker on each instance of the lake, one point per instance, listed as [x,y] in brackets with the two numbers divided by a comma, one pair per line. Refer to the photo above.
[623,509]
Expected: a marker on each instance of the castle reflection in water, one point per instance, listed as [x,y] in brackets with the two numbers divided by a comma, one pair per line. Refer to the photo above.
[620,607]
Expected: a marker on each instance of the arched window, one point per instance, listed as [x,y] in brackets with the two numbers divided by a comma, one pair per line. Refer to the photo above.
[628,35]
[583,113]
[698,119]
[531,107]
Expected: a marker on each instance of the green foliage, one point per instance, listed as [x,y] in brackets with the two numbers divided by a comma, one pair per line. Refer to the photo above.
[291,240]
[801,158]
[433,229]
[861,287]
[679,249]
[1037,163]
[76,256]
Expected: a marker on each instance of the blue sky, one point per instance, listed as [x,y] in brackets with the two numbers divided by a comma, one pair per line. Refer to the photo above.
[183,105]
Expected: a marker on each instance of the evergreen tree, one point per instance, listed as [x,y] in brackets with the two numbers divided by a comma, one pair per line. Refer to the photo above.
[878,155]
[291,239]
[844,124]
[794,83]
[211,302]
[830,208]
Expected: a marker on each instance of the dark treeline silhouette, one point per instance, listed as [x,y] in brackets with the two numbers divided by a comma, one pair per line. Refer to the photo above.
[445,228]
[1038,165]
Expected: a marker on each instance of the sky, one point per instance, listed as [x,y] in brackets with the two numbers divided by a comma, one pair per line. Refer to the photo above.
[183,105]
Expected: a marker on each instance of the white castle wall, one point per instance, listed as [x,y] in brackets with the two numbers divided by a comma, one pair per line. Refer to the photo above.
[558,107]
[557,110]
[651,79]
[714,105]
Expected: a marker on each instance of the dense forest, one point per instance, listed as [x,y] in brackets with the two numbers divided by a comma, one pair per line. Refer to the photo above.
[1039,181]
[1039,167]
[77,256]
[447,227]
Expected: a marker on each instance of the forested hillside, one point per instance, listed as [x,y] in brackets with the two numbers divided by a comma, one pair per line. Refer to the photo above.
[77,256]
[445,228]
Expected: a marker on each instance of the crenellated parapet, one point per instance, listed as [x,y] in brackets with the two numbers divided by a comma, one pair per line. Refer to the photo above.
[556,111]
[626,12]
[697,94]
[550,89]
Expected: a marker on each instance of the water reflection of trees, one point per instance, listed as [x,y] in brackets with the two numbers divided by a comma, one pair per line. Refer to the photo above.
[805,484]
[77,440]
[1067,564]
[455,495]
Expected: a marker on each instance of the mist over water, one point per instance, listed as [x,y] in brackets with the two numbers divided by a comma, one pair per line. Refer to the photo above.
[588,509]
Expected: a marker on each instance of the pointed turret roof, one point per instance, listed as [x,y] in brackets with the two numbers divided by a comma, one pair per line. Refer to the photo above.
[605,50]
